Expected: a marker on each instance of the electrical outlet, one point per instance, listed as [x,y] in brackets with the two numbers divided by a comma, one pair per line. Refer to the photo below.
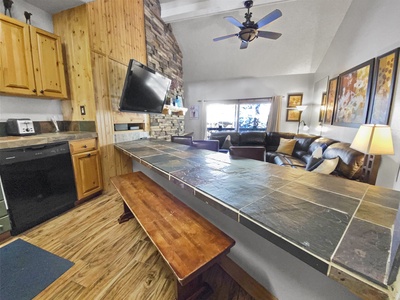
[83,110]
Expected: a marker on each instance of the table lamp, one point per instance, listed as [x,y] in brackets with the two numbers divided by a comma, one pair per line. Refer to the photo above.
[373,141]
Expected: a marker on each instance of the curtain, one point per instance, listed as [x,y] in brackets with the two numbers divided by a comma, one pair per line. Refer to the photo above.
[274,117]
[203,118]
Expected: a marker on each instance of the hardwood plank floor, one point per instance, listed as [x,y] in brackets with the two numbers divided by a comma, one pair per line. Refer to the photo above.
[112,261]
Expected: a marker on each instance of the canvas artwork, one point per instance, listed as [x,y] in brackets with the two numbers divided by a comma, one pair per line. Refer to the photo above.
[194,112]
[383,88]
[353,96]
[295,100]
[330,101]
[322,109]
[292,115]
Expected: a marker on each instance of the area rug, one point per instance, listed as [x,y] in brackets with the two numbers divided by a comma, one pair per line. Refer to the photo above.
[26,270]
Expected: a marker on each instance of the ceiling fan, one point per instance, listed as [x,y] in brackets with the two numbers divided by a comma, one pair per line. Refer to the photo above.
[249,30]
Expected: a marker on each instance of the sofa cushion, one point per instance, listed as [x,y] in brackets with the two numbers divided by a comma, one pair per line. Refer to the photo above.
[272,139]
[299,154]
[286,146]
[350,162]
[287,160]
[321,142]
[304,141]
[270,156]
[252,138]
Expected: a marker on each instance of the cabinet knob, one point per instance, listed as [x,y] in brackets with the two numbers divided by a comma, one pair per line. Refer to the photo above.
[84,146]
[41,91]
[34,90]
[89,155]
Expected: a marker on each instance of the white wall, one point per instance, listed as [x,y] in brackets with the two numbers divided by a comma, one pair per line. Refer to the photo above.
[33,108]
[370,28]
[248,88]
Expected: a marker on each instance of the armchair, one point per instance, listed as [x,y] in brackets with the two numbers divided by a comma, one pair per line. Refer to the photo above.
[212,145]
[185,140]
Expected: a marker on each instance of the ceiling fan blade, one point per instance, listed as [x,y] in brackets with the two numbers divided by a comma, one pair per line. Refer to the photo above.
[269,34]
[244,45]
[224,37]
[269,18]
[233,21]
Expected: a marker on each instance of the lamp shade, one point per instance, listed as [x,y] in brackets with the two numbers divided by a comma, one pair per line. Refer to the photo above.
[373,139]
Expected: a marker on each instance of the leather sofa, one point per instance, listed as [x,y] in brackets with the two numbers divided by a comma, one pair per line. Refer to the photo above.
[250,144]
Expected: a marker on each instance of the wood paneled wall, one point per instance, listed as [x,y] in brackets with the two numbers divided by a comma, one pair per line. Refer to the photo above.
[99,39]
[72,26]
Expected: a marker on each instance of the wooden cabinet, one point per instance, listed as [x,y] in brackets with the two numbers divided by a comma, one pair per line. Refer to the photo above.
[87,168]
[31,62]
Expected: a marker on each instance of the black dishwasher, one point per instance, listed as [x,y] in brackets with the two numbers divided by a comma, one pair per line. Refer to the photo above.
[38,183]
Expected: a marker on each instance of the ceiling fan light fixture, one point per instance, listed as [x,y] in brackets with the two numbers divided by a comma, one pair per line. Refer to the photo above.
[249,30]
[248,34]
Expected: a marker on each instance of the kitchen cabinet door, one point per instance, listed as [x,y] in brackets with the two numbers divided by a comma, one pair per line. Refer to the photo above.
[87,173]
[16,68]
[31,61]
[48,63]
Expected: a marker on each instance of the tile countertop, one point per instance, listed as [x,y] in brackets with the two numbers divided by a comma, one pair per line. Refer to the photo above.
[347,230]
[44,138]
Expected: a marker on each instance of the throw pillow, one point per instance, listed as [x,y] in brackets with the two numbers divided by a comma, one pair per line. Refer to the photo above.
[315,160]
[227,143]
[286,146]
[327,166]
[317,152]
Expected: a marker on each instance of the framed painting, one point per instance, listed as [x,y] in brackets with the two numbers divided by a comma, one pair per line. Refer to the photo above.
[322,109]
[382,92]
[354,87]
[330,100]
[294,100]
[292,115]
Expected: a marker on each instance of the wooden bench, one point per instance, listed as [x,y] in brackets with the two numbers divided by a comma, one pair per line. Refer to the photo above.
[188,243]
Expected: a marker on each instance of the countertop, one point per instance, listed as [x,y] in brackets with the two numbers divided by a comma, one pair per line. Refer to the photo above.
[347,230]
[44,138]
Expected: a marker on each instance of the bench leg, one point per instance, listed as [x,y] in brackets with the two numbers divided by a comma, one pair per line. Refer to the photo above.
[127,215]
[196,289]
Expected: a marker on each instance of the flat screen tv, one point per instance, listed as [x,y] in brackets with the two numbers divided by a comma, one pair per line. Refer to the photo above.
[144,89]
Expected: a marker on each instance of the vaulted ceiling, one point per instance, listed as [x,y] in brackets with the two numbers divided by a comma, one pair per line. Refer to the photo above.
[307,27]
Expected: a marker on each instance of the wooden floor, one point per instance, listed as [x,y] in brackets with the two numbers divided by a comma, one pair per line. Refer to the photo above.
[112,261]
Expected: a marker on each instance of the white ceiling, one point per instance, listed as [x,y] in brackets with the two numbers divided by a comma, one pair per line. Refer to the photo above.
[55,6]
[307,27]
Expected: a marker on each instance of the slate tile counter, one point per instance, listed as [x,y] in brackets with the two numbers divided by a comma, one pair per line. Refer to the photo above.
[44,138]
[347,230]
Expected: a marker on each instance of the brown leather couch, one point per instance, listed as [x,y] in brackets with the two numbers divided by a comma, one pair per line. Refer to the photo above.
[253,144]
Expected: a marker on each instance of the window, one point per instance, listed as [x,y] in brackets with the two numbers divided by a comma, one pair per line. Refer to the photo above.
[253,116]
[241,116]
[221,116]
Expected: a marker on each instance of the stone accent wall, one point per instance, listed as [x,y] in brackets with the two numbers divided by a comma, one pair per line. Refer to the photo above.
[164,56]
[163,52]
[163,126]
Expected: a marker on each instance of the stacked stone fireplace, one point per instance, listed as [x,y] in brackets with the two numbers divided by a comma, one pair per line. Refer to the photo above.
[164,56]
